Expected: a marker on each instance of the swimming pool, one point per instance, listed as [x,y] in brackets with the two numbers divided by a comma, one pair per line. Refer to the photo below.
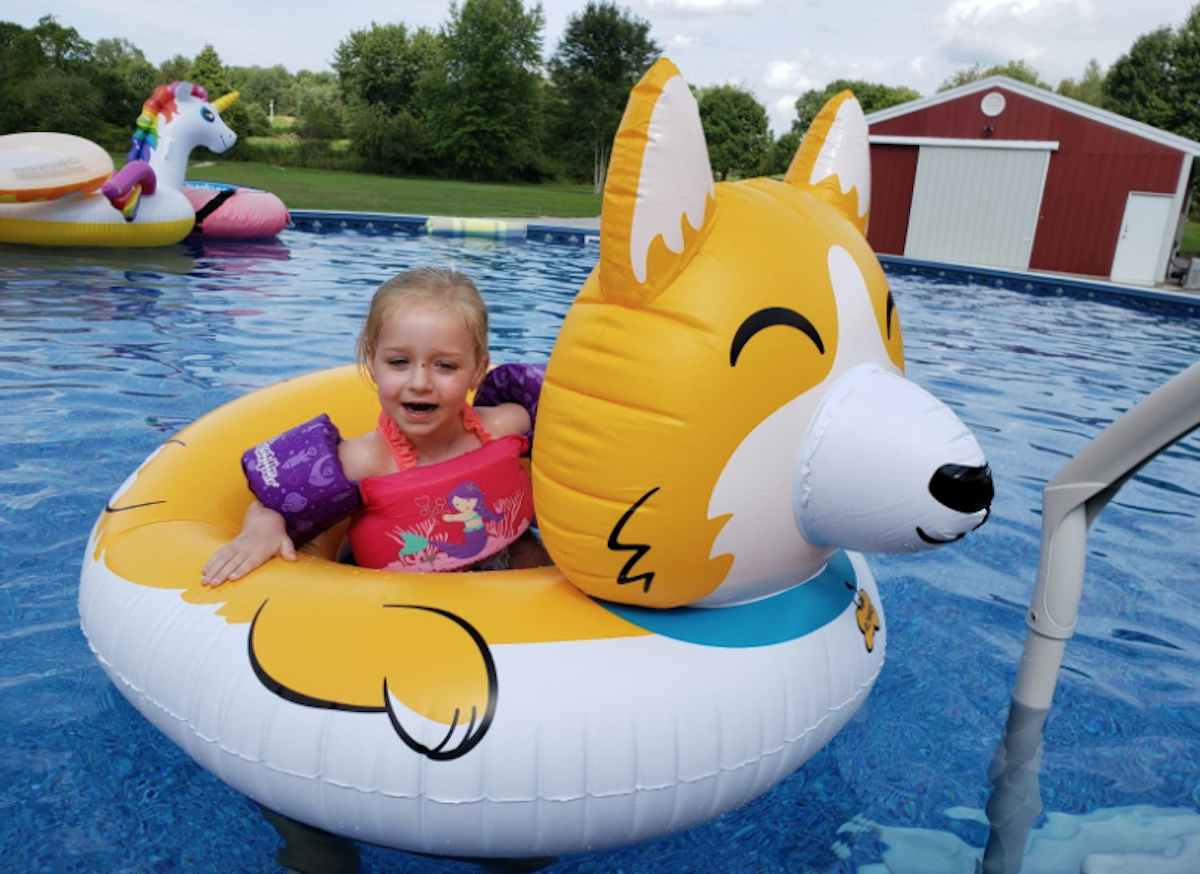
[105,354]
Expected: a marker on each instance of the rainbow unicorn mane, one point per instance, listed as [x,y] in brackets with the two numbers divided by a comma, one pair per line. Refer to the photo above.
[161,103]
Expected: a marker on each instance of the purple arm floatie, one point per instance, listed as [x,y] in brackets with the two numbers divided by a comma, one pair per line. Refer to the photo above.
[513,384]
[297,474]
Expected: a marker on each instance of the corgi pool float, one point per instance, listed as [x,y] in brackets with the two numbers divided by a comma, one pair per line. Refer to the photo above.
[723,415]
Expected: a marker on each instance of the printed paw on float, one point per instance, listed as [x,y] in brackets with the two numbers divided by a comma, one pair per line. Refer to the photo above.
[704,630]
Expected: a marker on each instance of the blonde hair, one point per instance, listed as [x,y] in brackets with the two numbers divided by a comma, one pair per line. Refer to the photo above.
[445,287]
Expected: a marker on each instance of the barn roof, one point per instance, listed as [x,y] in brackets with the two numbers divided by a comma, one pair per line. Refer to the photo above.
[1076,107]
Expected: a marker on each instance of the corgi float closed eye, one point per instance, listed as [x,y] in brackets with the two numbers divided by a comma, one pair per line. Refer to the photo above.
[720,385]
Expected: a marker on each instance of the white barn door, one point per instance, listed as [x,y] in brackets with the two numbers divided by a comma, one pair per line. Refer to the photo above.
[1143,237]
[976,205]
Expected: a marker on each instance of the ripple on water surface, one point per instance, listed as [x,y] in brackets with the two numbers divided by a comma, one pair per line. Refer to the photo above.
[103,355]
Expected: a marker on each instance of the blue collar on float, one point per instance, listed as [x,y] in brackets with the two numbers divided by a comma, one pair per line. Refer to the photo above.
[800,610]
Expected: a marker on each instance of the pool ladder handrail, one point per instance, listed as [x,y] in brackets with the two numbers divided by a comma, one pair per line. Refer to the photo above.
[1070,504]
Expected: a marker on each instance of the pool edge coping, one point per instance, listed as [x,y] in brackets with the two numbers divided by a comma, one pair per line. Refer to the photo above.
[587,230]
[1025,280]
[507,229]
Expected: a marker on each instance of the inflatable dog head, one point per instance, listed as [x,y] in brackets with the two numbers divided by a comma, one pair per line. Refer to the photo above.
[725,406]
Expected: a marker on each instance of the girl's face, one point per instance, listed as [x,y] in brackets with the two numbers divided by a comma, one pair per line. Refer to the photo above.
[424,364]
[463,504]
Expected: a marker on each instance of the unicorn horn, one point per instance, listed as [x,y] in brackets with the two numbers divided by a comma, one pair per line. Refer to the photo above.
[224,102]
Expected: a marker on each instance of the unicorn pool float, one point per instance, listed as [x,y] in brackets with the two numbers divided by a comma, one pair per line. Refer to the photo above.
[723,416]
[59,190]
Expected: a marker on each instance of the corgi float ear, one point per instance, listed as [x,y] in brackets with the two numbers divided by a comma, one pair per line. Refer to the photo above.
[834,159]
[659,201]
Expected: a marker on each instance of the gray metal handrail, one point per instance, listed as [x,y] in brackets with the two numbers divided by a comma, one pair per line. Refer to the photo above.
[1070,503]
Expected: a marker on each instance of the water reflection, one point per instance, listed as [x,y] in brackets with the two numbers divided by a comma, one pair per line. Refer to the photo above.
[105,354]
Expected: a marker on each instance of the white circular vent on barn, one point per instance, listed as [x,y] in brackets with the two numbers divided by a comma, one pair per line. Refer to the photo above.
[992,104]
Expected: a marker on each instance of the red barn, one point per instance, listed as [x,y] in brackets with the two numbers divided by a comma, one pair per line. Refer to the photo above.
[1003,174]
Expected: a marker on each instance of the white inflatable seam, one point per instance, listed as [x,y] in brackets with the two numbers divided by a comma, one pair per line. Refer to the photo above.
[864,687]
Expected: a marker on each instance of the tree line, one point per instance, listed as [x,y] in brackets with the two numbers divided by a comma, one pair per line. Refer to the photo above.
[476,99]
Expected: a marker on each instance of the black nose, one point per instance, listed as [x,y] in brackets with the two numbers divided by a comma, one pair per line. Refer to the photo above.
[962,488]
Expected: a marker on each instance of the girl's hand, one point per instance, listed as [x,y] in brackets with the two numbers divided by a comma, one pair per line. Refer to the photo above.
[263,536]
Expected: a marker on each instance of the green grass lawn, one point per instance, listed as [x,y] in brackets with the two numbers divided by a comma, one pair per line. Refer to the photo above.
[361,192]
[1191,239]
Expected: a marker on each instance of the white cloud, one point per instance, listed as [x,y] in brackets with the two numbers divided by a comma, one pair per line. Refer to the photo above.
[788,75]
[703,7]
[872,69]
[994,31]
[917,67]
[679,41]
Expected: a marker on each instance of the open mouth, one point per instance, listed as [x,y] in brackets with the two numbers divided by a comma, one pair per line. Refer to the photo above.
[419,411]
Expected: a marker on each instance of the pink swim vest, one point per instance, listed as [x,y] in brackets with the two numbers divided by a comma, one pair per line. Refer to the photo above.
[446,516]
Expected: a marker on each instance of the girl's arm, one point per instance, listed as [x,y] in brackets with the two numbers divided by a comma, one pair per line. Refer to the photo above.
[264,531]
[263,536]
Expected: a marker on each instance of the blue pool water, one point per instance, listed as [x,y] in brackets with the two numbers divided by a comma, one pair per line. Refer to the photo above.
[105,355]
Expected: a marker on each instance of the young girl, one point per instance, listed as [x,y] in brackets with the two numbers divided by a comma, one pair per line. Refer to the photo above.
[424,344]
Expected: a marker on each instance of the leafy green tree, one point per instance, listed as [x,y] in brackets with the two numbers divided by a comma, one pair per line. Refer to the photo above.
[319,126]
[482,101]
[1141,83]
[129,62]
[871,96]
[208,71]
[1089,89]
[379,70]
[1186,70]
[257,123]
[389,141]
[48,82]
[326,96]
[320,123]
[782,152]
[125,80]
[266,86]
[1019,70]
[320,115]
[64,102]
[21,60]
[308,83]
[735,126]
[9,31]
[23,57]
[175,69]
[63,47]
[601,56]
[383,64]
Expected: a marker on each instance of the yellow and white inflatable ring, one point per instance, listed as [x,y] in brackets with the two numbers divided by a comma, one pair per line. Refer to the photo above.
[478,714]
[724,412]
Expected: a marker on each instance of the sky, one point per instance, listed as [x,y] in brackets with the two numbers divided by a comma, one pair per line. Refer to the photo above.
[777,49]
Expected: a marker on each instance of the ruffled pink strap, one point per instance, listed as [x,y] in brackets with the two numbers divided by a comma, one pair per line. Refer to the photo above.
[472,422]
[404,452]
